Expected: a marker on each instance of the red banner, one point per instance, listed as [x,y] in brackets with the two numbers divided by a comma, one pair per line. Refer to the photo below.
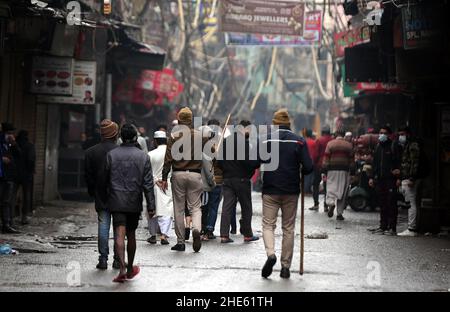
[351,38]
[150,88]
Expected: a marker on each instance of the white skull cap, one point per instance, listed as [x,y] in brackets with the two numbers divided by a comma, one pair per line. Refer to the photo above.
[160,135]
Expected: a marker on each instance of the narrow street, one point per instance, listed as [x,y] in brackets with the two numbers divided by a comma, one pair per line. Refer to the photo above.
[63,235]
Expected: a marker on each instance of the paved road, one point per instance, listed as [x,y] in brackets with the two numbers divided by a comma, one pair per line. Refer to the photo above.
[61,242]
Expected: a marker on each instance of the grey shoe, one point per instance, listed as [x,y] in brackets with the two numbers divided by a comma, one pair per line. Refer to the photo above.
[390,233]
[314,208]
[379,232]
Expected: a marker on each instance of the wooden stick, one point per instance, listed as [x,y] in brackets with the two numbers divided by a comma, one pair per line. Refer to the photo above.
[223,132]
[302,222]
[302,216]
[221,138]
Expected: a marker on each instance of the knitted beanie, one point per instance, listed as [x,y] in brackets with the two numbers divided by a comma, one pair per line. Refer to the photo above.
[185,116]
[108,129]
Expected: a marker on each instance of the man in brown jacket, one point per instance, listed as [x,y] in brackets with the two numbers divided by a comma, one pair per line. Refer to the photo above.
[338,162]
[184,158]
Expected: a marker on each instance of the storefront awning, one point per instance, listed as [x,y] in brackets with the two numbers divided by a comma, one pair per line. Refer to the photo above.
[135,55]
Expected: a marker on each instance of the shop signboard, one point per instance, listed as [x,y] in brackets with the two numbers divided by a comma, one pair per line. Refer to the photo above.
[420,26]
[262,17]
[150,88]
[84,83]
[52,75]
[351,38]
[312,35]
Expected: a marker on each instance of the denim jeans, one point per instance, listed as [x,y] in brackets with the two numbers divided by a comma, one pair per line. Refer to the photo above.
[410,193]
[104,224]
[213,206]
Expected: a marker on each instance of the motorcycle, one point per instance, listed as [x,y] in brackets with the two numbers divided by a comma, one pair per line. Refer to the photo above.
[361,194]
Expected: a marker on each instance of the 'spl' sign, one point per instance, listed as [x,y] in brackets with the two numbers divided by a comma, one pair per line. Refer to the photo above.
[262,17]
[421,26]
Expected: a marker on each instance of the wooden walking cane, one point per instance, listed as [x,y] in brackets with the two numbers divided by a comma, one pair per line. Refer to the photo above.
[302,215]
[302,223]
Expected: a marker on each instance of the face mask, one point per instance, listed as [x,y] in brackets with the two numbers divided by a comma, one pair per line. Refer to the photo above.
[383,138]
[402,139]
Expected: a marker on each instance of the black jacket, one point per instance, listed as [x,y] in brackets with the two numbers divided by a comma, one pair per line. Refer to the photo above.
[95,172]
[237,164]
[27,161]
[10,170]
[293,155]
[129,175]
[386,159]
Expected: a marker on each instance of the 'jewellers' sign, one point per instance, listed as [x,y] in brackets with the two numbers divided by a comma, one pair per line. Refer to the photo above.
[262,17]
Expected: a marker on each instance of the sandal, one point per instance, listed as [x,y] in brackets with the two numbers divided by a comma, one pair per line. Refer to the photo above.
[134,272]
[226,240]
[121,278]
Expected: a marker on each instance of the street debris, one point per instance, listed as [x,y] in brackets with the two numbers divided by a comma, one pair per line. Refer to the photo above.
[317,235]
[6,249]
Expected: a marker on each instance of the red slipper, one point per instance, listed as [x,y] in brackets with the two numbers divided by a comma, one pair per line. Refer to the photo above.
[121,278]
[135,272]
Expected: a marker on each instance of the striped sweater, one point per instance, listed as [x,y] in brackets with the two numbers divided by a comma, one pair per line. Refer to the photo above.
[338,155]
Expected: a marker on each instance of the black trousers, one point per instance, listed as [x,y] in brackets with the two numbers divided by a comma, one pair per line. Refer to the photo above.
[7,192]
[27,192]
[235,190]
[387,194]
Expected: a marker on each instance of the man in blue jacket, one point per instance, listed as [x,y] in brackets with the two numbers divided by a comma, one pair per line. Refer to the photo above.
[281,189]
[97,183]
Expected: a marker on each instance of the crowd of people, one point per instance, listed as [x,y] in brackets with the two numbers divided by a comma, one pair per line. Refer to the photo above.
[187,191]
[392,164]
[17,167]
[184,193]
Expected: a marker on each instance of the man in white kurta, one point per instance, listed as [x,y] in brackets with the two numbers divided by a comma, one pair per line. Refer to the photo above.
[164,204]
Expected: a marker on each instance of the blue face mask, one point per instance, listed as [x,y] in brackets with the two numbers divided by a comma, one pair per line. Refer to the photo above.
[383,138]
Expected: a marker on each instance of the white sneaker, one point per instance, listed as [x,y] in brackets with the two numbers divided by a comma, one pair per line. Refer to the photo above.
[408,233]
